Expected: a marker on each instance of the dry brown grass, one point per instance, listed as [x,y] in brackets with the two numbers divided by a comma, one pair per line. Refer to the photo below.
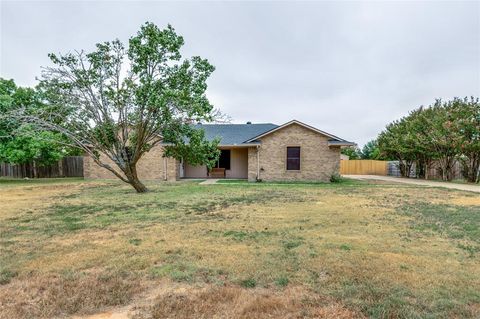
[349,249]
[50,296]
[176,300]
[466,201]
[235,302]
[17,200]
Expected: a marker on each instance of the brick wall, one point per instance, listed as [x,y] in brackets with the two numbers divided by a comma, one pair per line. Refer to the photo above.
[318,161]
[252,164]
[150,167]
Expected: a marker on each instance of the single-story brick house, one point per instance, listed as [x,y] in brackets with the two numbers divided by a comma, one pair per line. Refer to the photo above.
[292,151]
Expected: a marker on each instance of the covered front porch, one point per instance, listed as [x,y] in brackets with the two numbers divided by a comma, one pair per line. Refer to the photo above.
[233,160]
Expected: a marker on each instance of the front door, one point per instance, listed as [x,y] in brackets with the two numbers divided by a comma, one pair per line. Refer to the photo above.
[224,160]
[181,169]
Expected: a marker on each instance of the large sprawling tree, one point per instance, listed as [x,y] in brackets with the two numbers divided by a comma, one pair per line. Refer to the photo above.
[120,101]
[444,132]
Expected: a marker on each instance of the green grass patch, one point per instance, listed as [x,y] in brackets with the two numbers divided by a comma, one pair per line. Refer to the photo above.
[455,222]
[241,235]
[176,272]
[292,243]
[282,281]
[379,299]
[248,283]
[135,241]
[345,247]
[6,276]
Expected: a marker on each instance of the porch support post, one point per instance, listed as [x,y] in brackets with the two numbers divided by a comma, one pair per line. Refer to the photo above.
[258,162]
[165,168]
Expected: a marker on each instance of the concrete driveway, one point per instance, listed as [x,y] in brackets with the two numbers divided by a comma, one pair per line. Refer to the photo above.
[463,187]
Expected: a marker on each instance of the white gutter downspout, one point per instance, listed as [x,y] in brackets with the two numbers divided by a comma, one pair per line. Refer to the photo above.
[258,162]
[165,168]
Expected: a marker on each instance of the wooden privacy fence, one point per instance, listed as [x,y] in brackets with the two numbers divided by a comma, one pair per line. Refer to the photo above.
[363,167]
[70,166]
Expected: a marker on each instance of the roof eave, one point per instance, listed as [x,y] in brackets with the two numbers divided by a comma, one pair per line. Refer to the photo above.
[298,123]
[340,143]
[239,145]
[223,145]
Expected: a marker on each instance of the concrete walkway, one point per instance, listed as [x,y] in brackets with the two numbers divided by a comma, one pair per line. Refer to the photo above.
[413,181]
[209,181]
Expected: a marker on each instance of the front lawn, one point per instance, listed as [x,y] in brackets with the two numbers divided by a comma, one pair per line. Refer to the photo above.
[244,250]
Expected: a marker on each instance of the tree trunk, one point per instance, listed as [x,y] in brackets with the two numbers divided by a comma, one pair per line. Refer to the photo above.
[450,173]
[403,168]
[428,163]
[444,166]
[134,181]
[408,168]
[471,167]
[420,168]
[138,185]
[35,175]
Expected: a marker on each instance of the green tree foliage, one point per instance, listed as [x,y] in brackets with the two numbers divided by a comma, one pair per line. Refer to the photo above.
[441,140]
[353,152]
[444,132]
[194,150]
[371,151]
[467,115]
[21,142]
[395,142]
[120,101]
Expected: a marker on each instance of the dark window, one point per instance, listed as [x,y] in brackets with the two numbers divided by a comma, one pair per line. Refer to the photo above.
[293,158]
[224,160]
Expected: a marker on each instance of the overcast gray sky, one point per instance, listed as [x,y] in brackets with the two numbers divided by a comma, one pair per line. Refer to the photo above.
[347,68]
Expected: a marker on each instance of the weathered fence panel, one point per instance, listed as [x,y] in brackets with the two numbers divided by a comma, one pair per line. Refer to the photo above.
[434,171]
[363,167]
[73,166]
[70,166]
[394,169]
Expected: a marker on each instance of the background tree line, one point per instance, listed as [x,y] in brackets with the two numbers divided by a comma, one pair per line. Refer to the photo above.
[442,133]
[22,142]
[369,151]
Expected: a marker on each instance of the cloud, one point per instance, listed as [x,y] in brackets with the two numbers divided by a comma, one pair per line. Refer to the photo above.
[345,67]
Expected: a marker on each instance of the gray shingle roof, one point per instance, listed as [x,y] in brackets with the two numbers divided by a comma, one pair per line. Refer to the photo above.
[233,134]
